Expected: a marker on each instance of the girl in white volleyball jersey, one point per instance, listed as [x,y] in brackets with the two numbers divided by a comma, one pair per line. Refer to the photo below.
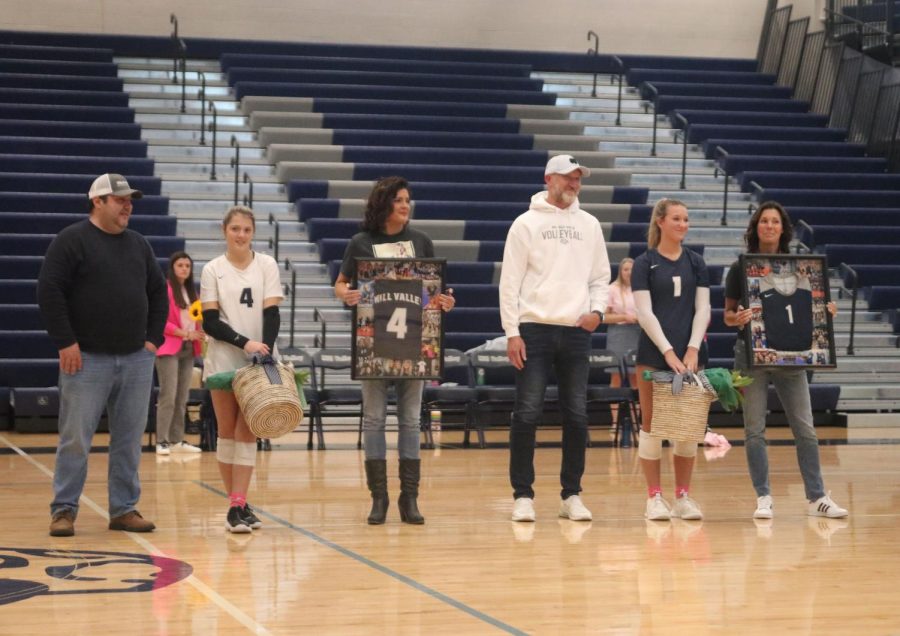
[240,292]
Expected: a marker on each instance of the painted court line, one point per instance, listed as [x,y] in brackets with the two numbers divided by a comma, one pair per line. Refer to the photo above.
[380,568]
[199,585]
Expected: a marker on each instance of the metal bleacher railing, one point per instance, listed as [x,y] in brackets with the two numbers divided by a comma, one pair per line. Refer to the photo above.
[857,92]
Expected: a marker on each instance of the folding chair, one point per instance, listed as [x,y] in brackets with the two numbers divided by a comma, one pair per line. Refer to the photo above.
[460,398]
[335,400]
[602,362]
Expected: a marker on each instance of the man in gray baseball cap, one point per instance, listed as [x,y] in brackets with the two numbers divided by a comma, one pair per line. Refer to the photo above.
[115,184]
[104,303]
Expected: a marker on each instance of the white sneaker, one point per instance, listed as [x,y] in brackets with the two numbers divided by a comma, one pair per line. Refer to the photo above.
[523,509]
[163,448]
[657,509]
[824,506]
[184,447]
[763,507]
[572,508]
[687,509]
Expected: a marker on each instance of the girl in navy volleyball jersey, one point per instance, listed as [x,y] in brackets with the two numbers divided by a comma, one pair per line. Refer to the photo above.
[671,296]
[770,232]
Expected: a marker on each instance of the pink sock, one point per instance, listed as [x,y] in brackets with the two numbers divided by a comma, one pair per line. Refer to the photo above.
[238,499]
[681,491]
[652,491]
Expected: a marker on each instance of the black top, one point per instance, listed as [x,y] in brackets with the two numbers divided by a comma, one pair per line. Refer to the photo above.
[407,243]
[104,291]
[673,291]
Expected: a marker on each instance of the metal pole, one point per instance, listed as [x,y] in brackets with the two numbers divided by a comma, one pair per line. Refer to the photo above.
[236,164]
[725,199]
[174,21]
[594,52]
[183,77]
[202,96]
[212,129]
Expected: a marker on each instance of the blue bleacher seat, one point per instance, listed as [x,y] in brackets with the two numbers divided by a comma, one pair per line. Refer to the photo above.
[69,129]
[63,97]
[57,112]
[668,103]
[493,160]
[353,121]
[434,139]
[68,183]
[699,133]
[37,244]
[636,76]
[230,60]
[384,76]
[856,235]
[32,343]
[30,223]
[737,163]
[29,372]
[534,176]
[831,198]
[690,89]
[71,203]
[821,180]
[58,67]
[844,216]
[860,254]
[60,82]
[61,146]
[412,93]
[330,105]
[793,148]
[129,166]
[747,118]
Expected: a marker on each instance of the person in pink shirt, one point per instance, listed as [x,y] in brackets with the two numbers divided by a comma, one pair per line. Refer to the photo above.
[623,331]
[175,358]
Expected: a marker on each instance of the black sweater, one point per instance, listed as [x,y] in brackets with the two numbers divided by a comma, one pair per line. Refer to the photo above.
[104,291]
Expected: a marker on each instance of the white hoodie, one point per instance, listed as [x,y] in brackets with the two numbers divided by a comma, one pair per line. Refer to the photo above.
[555,267]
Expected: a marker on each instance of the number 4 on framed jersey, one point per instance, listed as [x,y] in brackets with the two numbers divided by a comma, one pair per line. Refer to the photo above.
[791,324]
[398,325]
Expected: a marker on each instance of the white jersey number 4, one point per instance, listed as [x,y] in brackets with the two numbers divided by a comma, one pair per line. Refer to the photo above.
[397,323]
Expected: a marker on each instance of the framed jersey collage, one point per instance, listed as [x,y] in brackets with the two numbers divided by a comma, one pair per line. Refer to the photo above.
[789,296]
[398,326]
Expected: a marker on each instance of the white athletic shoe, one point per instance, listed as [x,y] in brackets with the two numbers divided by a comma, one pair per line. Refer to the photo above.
[523,509]
[763,507]
[572,508]
[163,448]
[824,506]
[687,509]
[184,447]
[657,509]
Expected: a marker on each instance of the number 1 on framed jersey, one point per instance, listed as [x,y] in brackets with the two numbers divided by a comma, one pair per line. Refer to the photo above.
[789,296]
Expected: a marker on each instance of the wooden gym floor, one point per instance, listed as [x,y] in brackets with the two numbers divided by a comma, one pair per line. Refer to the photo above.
[317,568]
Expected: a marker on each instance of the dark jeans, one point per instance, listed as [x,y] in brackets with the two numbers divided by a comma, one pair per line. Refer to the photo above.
[567,349]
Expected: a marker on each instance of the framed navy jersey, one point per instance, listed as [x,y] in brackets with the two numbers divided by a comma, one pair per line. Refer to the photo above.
[791,324]
[398,326]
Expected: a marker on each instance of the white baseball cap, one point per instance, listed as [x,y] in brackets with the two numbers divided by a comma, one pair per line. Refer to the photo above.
[115,184]
[564,164]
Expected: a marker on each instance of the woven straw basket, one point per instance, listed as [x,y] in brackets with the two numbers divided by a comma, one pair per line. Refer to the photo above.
[680,417]
[270,410]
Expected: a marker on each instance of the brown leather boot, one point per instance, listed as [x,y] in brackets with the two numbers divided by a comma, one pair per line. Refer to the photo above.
[62,524]
[131,522]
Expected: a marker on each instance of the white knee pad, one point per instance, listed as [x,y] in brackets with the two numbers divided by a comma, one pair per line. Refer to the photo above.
[225,450]
[685,449]
[649,447]
[244,454]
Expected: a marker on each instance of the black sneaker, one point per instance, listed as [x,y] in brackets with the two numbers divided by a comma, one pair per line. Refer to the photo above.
[235,522]
[249,518]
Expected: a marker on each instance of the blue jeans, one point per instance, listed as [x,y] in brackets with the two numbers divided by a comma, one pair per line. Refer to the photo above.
[121,384]
[567,349]
[793,391]
[409,413]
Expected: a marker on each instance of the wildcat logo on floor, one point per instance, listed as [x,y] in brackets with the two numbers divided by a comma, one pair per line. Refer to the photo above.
[25,573]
